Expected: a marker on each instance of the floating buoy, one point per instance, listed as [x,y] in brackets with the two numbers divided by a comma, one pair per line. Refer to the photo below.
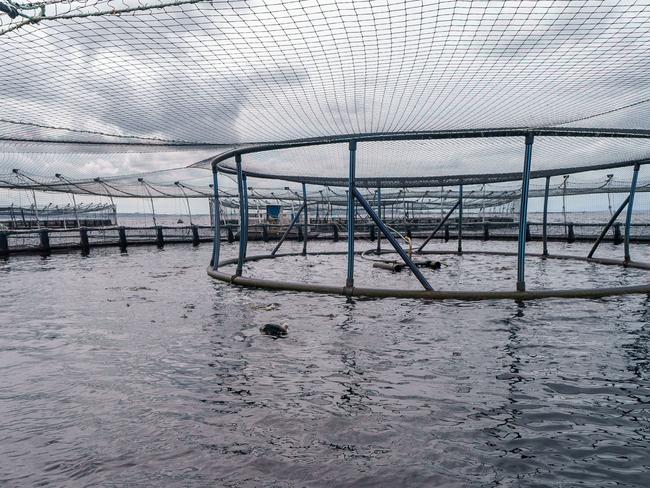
[275,330]
[391,266]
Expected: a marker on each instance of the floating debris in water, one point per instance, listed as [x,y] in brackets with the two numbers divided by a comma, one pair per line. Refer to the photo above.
[270,307]
[275,330]
[399,266]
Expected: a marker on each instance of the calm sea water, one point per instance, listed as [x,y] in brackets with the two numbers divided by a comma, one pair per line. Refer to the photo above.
[139,370]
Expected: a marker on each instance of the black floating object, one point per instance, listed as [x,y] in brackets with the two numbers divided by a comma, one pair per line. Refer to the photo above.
[389,265]
[10,10]
[275,330]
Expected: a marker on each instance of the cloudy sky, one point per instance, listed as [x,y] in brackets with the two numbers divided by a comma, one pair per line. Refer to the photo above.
[224,73]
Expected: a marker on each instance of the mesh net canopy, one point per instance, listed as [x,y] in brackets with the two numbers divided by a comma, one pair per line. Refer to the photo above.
[103,88]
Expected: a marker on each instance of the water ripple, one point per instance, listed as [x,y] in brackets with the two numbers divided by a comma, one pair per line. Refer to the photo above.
[139,370]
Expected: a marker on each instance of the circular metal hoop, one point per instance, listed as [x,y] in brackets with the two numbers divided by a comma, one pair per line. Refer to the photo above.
[219,162]
[437,295]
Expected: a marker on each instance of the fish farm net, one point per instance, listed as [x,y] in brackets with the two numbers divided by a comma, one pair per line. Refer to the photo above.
[375,115]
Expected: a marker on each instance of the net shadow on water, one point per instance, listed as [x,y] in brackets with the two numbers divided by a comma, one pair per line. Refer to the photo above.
[139,369]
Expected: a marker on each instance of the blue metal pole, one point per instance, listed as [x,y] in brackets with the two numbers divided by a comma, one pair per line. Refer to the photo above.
[246,213]
[630,207]
[306,221]
[379,214]
[349,283]
[460,219]
[242,216]
[216,243]
[523,215]
[545,218]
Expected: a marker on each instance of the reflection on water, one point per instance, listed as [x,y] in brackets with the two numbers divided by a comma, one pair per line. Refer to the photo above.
[139,370]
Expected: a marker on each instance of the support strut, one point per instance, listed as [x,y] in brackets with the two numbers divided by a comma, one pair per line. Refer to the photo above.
[523,215]
[630,207]
[382,227]
[439,226]
[611,221]
[286,232]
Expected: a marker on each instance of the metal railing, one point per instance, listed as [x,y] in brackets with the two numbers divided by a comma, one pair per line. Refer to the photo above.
[45,241]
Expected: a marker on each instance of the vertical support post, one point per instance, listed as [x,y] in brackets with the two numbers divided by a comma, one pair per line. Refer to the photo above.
[306,221]
[122,238]
[246,213]
[380,215]
[460,219]
[523,215]
[84,242]
[628,218]
[571,235]
[349,283]
[216,220]
[4,245]
[196,239]
[45,241]
[160,238]
[335,232]
[618,239]
[545,218]
[242,216]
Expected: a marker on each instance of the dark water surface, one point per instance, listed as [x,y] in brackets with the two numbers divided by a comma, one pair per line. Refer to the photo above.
[140,370]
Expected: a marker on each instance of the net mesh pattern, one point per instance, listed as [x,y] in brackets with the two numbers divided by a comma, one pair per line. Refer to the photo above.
[224,73]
